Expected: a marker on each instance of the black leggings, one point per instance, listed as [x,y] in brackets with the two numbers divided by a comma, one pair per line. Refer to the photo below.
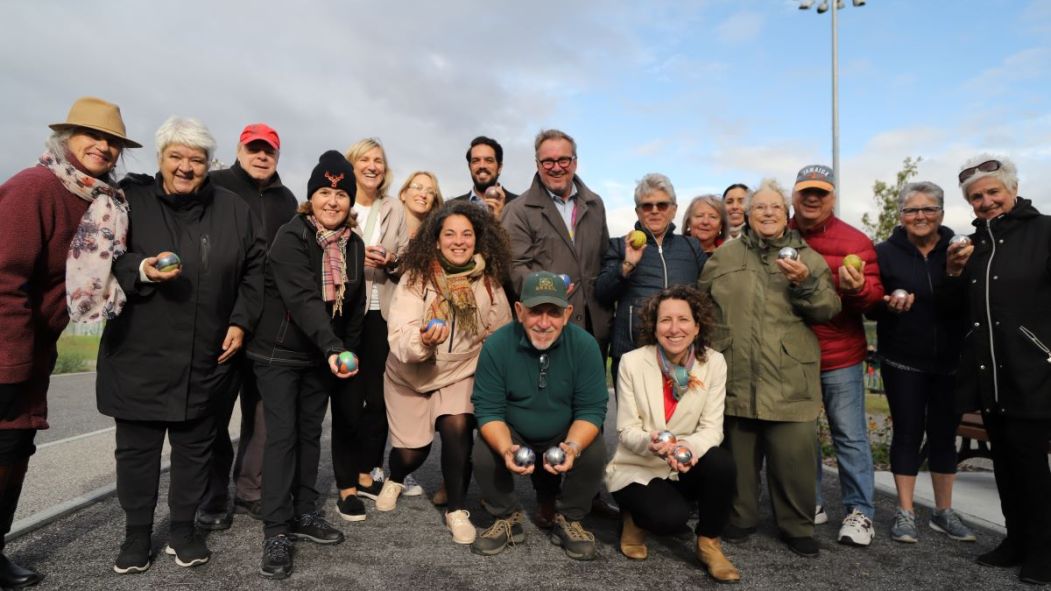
[663,506]
[359,414]
[455,431]
[921,401]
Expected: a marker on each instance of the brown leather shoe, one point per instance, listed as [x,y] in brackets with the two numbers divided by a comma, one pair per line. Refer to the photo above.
[632,538]
[710,553]
[603,508]
[545,514]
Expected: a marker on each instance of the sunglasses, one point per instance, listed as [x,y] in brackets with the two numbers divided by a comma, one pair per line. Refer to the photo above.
[987,166]
[545,363]
[659,206]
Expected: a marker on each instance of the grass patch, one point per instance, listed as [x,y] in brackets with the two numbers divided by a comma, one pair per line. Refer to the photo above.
[76,353]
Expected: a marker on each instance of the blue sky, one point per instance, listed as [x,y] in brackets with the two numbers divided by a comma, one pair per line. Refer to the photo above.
[707,92]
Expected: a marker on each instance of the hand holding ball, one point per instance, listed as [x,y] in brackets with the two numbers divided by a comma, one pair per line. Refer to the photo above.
[347,362]
[899,294]
[433,323]
[637,239]
[788,253]
[682,454]
[960,239]
[854,262]
[524,457]
[554,456]
[666,437]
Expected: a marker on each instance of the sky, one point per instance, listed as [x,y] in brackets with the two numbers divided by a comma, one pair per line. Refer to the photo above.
[708,92]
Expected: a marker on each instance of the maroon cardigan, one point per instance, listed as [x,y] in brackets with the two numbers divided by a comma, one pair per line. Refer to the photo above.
[38,218]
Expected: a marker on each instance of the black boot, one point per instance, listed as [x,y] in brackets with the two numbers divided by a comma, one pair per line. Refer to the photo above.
[134,554]
[12,576]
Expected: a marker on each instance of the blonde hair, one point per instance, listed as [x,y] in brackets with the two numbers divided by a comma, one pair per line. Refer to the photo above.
[360,148]
[438,199]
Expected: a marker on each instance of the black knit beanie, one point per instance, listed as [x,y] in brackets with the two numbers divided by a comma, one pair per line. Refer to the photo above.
[332,171]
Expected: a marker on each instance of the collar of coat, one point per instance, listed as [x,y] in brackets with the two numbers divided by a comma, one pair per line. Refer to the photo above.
[272,183]
[539,196]
[1022,211]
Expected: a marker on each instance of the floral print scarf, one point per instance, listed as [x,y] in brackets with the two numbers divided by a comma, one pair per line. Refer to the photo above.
[92,291]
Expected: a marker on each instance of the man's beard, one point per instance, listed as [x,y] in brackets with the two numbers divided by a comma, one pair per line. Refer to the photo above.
[480,188]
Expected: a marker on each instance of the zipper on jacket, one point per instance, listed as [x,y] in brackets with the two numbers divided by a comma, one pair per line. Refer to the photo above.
[452,331]
[989,313]
[664,264]
[631,327]
[1036,341]
[204,252]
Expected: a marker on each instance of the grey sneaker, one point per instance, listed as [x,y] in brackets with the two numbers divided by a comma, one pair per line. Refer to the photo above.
[412,488]
[501,533]
[904,528]
[949,523]
[577,542]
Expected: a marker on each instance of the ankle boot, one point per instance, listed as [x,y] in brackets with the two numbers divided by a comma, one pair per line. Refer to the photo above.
[12,575]
[632,538]
[710,553]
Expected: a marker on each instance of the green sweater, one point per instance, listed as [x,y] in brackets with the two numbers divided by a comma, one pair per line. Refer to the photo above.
[506,383]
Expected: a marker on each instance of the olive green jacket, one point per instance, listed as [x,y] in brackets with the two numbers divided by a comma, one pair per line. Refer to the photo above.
[761,327]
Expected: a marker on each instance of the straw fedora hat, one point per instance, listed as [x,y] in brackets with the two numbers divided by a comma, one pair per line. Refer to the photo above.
[95,113]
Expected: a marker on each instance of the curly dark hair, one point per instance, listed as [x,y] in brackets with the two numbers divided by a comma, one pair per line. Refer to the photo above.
[700,306]
[490,241]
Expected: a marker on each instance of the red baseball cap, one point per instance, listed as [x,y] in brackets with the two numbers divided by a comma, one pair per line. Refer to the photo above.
[263,132]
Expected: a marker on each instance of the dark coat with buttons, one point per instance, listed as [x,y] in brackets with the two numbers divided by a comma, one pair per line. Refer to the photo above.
[1005,294]
[678,261]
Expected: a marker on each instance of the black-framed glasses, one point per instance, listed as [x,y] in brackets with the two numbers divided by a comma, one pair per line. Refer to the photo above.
[563,162]
[987,166]
[545,363]
[657,205]
[927,211]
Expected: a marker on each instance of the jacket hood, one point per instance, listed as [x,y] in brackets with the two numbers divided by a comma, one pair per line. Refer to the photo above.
[1023,210]
[900,238]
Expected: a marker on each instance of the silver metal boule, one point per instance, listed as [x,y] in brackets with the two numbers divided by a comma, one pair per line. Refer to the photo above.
[525,456]
[788,253]
[960,239]
[682,454]
[666,437]
[554,456]
[492,192]
[168,262]
[899,294]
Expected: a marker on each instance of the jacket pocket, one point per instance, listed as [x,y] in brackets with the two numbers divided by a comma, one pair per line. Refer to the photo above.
[800,362]
[1035,341]
[282,330]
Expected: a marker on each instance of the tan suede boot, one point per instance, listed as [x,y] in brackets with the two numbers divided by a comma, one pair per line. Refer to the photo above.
[632,538]
[710,553]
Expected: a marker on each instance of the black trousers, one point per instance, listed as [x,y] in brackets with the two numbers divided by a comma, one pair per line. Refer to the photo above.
[139,445]
[359,414]
[217,495]
[663,506]
[16,445]
[921,402]
[1019,449]
[248,465]
[572,491]
[294,404]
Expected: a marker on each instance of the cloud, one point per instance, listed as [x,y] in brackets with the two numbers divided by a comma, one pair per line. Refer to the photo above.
[742,27]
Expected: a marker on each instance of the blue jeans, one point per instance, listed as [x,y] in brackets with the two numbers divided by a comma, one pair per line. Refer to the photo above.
[843,391]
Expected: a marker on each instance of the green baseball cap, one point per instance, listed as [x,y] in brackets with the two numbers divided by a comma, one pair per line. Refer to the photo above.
[543,287]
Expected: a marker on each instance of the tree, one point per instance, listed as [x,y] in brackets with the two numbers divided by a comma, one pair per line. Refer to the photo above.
[886,198]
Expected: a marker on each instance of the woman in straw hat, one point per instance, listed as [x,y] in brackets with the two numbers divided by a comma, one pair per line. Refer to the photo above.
[64,222]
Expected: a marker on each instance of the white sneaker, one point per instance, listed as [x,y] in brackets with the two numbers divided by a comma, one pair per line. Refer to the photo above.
[412,488]
[820,516]
[387,500]
[856,530]
[459,523]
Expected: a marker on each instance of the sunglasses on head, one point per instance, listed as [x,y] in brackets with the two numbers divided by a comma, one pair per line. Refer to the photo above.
[987,166]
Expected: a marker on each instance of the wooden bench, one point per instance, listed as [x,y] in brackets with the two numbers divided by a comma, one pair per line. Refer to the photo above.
[972,430]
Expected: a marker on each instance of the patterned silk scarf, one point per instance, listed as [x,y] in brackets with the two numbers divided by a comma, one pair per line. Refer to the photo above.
[333,263]
[679,376]
[92,292]
[456,296]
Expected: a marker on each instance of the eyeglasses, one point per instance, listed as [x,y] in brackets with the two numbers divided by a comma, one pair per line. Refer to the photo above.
[563,162]
[987,166]
[765,207]
[930,210]
[657,205]
[421,189]
[545,363]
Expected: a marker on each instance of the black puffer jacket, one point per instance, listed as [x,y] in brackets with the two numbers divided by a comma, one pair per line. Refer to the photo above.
[297,328]
[1005,292]
[923,338]
[678,261]
[158,360]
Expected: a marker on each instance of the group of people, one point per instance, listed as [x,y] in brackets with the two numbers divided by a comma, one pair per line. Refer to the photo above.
[488,319]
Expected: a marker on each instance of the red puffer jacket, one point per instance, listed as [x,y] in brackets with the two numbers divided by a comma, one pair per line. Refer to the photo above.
[843,338]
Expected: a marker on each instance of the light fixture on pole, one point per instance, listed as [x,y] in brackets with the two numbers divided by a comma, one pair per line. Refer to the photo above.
[836,6]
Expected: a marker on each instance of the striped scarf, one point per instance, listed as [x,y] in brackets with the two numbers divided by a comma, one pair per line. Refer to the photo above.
[333,263]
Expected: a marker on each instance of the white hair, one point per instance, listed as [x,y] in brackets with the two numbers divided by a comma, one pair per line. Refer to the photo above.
[1007,174]
[651,183]
[767,184]
[185,131]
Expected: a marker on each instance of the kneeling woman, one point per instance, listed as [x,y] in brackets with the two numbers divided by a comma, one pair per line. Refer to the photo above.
[449,300]
[312,312]
[675,384]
